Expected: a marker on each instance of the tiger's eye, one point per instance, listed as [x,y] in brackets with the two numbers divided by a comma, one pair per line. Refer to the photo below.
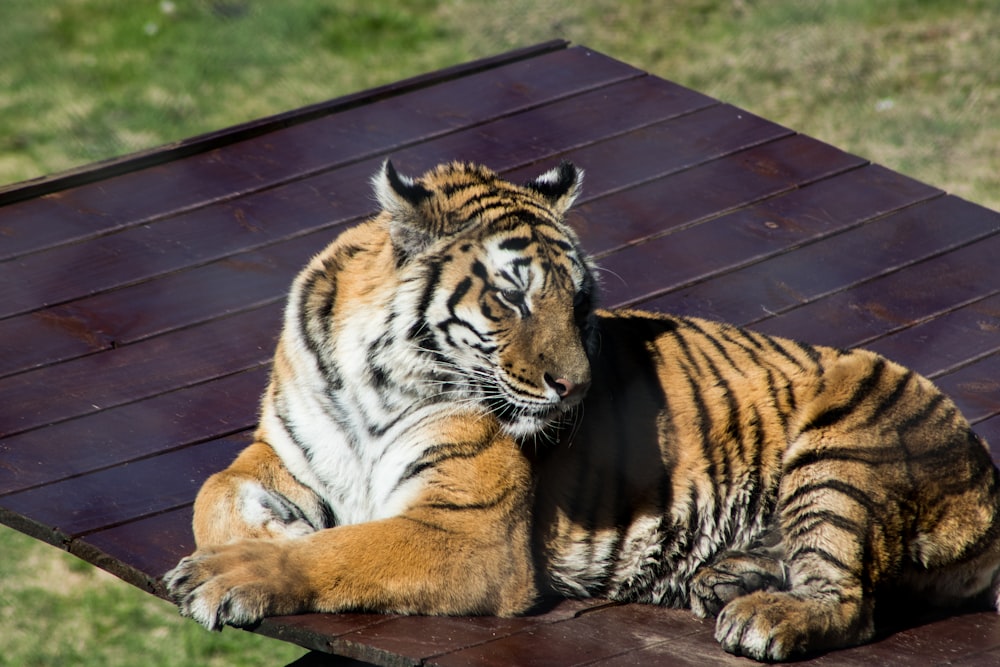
[513,297]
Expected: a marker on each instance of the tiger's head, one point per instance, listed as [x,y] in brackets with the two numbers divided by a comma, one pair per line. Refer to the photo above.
[503,294]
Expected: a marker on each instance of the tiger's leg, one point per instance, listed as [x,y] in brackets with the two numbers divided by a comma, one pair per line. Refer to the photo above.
[827,528]
[462,547]
[255,497]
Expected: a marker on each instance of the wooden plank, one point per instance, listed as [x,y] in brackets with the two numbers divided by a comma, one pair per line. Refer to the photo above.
[141,551]
[520,141]
[56,334]
[934,642]
[332,197]
[945,640]
[755,234]
[588,638]
[318,659]
[989,658]
[134,372]
[400,640]
[353,133]
[115,318]
[989,429]
[87,209]
[652,209]
[696,650]
[975,388]
[68,272]
[431,113]
[936,346]
[806,274]
[121,494]
[136,430]
[416,640]
[894,300]
[315,631]
[657,149]
[218,138]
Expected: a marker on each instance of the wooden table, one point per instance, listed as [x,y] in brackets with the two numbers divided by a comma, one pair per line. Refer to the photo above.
[141,298]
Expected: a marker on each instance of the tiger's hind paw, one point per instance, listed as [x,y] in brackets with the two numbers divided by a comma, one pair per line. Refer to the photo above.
[733,576]
[780,626]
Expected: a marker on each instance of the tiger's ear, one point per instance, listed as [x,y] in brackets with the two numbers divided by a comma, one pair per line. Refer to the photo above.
[402,197]
[560,185]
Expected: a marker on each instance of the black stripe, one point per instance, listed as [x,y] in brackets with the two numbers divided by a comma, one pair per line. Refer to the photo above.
[488,504]
[774,397]
[919,418]
[430,288]
[701,425]
[515,243]
[479,270]
[881,455]
[755,485]
[732,426]
[377,430]
[827,557]
[750,337]
[863,390]
[811,352]
[739,339]
[843,488]
[714,342]
[458,294]
[436,454]
[821,517]
[309,322]
[778,345]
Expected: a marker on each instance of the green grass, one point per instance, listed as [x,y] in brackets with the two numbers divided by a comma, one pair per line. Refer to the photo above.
[58,610]
[912,84]
[98,78]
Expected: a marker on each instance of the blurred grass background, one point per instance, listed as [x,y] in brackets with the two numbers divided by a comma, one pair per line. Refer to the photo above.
[911,84]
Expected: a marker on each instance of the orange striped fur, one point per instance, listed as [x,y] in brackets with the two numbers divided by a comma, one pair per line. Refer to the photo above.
[453,428]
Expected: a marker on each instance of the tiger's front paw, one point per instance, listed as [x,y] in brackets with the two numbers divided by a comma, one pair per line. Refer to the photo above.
[765,626]
[237,584]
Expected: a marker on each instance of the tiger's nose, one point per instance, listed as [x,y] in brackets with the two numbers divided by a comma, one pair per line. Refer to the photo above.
[566,388]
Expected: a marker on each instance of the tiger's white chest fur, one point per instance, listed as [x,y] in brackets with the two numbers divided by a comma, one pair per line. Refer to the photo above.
[356,410]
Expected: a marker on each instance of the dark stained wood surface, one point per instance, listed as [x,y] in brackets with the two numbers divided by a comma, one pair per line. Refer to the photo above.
[140,299]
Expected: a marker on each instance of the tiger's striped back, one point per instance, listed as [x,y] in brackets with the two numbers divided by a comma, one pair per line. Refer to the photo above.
[756,476]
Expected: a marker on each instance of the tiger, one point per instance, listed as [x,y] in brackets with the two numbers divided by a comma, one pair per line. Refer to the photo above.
[454,426]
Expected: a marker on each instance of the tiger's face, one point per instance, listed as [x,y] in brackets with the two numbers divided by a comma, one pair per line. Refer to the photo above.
[504,293]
